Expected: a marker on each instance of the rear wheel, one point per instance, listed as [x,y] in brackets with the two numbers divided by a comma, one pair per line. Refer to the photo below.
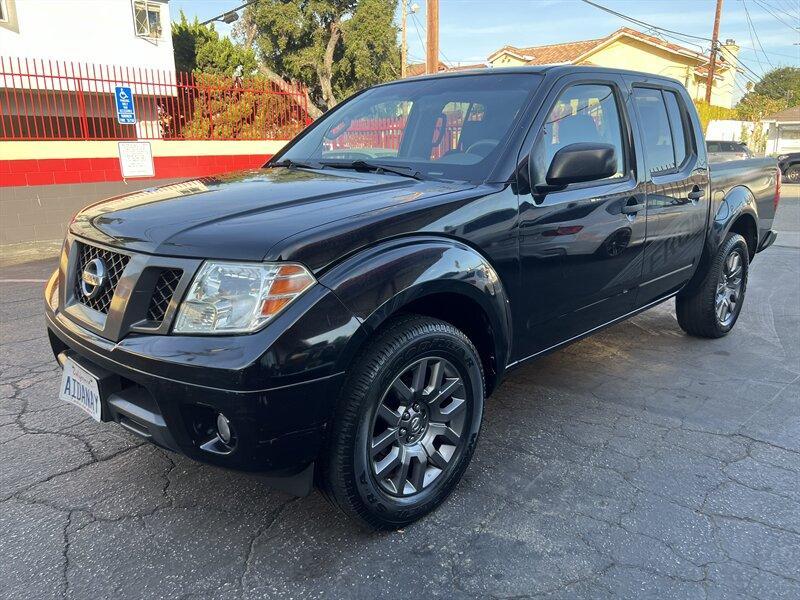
[406,424]
[711,310]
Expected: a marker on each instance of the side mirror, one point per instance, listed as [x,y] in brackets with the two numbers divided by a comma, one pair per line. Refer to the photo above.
[581,162]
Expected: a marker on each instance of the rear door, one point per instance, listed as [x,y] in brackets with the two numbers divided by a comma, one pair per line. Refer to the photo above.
[676,188]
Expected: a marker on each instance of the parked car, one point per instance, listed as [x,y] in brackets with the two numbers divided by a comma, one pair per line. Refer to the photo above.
[722,151]
[341,315]
[789,164]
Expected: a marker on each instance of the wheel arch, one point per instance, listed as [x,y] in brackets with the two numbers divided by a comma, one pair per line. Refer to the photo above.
[737,212]
[429,275]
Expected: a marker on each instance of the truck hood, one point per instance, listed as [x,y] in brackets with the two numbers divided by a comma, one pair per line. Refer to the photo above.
[241,216]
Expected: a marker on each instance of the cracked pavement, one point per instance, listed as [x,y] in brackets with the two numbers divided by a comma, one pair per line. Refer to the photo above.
[637,463]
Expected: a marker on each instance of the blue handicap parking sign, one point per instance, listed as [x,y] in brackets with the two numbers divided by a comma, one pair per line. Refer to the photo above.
[126,113]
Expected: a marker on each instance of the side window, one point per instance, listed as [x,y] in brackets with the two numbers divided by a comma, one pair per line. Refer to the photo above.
[681,132]
[713,147]
[583,113]
[658,148]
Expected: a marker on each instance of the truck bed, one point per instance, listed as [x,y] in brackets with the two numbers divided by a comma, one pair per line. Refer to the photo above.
[756,174]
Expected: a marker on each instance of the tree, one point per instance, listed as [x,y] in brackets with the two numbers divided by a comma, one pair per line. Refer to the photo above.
[782,83]
[333,47]
[199,48]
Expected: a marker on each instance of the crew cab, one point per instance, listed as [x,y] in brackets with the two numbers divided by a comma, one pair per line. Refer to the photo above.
[339,317]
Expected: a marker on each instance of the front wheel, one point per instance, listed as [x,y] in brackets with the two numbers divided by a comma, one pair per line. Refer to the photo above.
[711,310]
[406,424]
[793,174]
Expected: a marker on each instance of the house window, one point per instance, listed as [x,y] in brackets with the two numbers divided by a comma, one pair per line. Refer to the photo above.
[147,19]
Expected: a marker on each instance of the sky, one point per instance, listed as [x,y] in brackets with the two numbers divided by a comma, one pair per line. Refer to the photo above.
[470,30]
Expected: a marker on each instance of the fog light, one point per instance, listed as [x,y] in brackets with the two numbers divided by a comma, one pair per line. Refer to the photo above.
[223,428]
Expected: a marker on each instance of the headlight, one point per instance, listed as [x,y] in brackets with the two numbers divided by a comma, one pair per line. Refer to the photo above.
[239,297]
[783,157]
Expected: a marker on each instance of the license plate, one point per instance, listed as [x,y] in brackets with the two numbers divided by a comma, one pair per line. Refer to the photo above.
[79,387]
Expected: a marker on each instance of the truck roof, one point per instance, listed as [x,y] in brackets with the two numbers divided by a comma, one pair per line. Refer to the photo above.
[537,69]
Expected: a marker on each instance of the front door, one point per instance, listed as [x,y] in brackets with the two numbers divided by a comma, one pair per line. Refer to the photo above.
[580,249]
[677,184]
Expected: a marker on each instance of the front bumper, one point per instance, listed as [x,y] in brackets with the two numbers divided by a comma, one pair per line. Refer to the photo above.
[169,389]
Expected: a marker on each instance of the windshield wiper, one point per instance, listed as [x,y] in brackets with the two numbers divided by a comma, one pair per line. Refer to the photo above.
[288,162]
[362,165]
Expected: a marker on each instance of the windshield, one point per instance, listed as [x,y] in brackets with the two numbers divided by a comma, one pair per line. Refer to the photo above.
[451,127]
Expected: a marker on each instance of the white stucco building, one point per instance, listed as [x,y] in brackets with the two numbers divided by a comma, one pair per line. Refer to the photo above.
[60,61]
[112,32]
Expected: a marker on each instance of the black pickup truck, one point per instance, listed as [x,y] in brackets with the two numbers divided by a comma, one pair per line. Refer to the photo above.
[339,317]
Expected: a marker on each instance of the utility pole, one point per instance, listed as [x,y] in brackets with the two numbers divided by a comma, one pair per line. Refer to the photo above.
[403,41]
[432,54]
[714,45]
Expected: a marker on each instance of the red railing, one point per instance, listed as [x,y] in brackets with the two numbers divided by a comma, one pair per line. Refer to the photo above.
[385,134]
[59,100]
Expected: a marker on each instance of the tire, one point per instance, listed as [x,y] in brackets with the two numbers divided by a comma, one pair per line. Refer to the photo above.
[713,307]
[393,400]
[792,174]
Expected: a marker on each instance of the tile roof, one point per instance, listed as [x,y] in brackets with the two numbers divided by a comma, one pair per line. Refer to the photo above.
[571,51]
[787,115]
[414,69]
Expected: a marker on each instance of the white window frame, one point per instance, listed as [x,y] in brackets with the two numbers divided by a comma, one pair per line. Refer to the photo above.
[148,6]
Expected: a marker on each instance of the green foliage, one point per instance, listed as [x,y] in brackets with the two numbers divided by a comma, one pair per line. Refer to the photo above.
[754,107]
[370,54]
[708,112]
[333,47]
[199,48]
[226,109]
[781,84]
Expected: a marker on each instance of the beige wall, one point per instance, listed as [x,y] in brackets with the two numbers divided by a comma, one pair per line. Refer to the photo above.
[635,55]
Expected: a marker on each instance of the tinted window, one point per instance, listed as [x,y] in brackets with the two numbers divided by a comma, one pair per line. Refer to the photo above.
[680,132]
[583,113]
[451,127]
[658,149]
[713,147]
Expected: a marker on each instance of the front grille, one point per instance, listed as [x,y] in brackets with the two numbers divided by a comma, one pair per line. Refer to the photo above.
[114,263]
[162,294]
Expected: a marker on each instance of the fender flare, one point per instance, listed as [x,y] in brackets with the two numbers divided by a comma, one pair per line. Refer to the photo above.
[737,202]
[378,281]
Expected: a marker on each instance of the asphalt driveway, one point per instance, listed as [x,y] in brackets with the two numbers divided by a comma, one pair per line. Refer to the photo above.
[637,463]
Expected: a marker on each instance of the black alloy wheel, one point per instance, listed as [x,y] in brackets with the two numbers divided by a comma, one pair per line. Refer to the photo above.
[711,307]
[729,288]
[406,424]
[418,425]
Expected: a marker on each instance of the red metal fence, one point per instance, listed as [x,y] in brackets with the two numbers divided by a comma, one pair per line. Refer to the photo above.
[385,134]
[59,100]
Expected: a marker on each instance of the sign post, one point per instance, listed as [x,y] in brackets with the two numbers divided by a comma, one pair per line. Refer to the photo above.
[126,112]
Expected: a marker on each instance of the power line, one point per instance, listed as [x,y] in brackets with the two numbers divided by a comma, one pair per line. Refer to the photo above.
[753,33]
[643,23]
[227,12]
[795,57]
[417,26]
[769,10]
[780,9]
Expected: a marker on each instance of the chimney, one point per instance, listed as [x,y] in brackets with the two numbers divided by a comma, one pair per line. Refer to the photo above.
[729,48]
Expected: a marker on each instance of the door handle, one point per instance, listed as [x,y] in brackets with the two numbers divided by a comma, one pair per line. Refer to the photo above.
[696,193]
[632,207]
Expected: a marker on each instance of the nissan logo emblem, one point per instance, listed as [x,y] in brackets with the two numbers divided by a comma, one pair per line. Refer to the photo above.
[93,278]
